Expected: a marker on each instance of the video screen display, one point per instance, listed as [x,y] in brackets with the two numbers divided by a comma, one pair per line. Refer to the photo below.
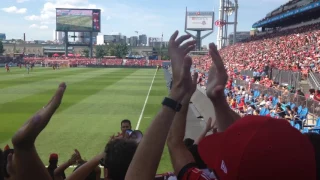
[78,20]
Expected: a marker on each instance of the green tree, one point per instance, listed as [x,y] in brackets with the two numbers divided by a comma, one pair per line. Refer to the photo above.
[121,50]
[17,51]
[1,48]
[85,52]
[100,51]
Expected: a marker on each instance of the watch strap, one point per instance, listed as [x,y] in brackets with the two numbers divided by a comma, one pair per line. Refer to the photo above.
[176,106]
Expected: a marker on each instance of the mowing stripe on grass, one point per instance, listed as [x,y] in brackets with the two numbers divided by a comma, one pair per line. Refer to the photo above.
[145,102]
[22,74]
[18,111]
[44,76]
[88,123]
[21,91]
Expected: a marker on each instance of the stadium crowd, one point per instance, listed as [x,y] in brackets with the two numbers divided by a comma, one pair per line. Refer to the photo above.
[248,147]
[90,61]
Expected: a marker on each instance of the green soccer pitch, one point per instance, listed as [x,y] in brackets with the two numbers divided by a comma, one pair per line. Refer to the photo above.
[95,102]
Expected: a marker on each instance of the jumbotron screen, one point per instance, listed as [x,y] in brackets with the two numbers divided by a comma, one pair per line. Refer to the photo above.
[78,20]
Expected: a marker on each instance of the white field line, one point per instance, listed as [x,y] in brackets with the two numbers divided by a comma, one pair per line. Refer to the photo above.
[140,117]
[145,102]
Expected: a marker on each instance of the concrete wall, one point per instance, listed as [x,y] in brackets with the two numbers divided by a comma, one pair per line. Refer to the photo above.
[202,104]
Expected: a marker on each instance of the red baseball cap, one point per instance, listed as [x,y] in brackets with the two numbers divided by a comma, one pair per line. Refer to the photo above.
[259,148]
[53,156]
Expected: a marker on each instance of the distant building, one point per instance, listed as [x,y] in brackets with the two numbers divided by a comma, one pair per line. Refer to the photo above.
[40,42]
[133,41]
[84,37]
[3,36]
[59,37]
[118,39]
[159,44]
[143,40]
[240,36]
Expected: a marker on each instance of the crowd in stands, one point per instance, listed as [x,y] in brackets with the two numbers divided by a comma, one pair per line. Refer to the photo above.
[7,60]
[294,49]
[90,61]
[248,147]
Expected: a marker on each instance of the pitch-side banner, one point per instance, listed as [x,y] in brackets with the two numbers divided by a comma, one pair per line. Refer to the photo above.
[200,20]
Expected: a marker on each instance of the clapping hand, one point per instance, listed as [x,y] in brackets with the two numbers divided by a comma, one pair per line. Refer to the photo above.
[181,64]
[218,76]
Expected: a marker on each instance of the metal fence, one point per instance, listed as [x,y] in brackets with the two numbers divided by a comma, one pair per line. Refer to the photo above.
[314,80]
[312,105]
[281,76]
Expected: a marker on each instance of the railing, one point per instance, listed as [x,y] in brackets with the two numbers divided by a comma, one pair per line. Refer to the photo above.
[313,80]
[312,105]
[281,76]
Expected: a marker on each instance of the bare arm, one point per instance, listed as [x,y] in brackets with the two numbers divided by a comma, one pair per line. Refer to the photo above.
[58,173]
[82,172]
[149,151]
[24,140]
[209,127]
[146,159]
[217,80]
[180,155]
[60,170]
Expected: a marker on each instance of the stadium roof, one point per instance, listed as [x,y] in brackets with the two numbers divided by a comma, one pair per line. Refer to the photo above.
[291,13]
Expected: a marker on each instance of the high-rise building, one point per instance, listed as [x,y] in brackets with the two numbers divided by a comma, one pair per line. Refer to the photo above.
[84,37]
[59,37]
[143,40]
[133,41]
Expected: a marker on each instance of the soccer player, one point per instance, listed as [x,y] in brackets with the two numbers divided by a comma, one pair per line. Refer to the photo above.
[7,68]
[28,68]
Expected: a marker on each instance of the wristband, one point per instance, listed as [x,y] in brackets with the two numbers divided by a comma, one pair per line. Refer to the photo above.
[171,104]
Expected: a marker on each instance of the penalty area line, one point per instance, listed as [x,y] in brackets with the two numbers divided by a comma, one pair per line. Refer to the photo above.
[145,102]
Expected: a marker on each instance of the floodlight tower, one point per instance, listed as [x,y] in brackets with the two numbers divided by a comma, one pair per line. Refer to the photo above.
[227,8]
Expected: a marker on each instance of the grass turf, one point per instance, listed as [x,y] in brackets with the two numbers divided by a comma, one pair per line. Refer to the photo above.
[95,102]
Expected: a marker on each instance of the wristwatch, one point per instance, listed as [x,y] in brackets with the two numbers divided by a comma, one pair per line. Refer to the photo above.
[176,106]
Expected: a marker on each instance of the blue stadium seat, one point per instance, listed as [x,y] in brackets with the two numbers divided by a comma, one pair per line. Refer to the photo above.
[262,111]
[299,109]
[305,130]
[292,123]
[297,126]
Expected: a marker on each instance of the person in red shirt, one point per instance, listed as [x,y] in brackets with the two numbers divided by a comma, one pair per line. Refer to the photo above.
[317,95]
[125,125]
[7,68]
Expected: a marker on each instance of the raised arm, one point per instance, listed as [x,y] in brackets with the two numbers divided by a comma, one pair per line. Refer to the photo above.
[217,80]
[24,140]
[146,159]
[206,130]
[82,172]
[58,173]
[180,155]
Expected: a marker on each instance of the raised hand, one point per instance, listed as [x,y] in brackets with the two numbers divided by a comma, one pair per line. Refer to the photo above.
[209,125]
[181,63]
[27,134]
[24,139]
[74,158]
[217,75]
